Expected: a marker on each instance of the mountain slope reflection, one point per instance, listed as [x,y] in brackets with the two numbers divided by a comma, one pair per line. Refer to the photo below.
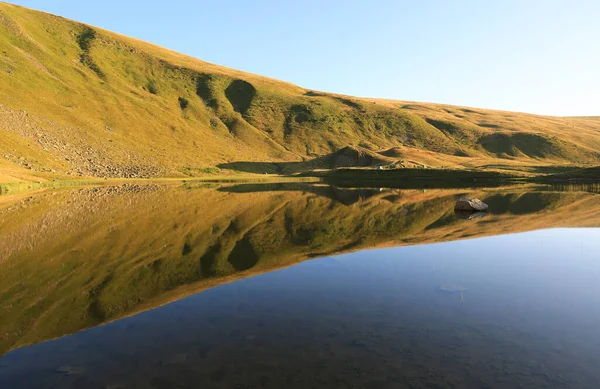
[73,259]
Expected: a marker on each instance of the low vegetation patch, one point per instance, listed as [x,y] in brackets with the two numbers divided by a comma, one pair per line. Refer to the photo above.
[85,40]
[587,174]
[183,103]
[200,171]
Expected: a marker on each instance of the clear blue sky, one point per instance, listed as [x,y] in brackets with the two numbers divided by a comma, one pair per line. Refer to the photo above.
[540,56]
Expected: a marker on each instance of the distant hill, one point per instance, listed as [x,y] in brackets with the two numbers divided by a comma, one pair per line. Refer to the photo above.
[81,101]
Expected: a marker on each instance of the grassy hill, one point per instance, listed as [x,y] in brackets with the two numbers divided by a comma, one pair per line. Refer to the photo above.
[77,100]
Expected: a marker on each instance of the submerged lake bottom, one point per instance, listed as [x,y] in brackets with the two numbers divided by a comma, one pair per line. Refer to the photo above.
[516,310]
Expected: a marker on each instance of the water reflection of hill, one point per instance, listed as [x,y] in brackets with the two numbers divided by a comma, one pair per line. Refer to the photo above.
[74,259]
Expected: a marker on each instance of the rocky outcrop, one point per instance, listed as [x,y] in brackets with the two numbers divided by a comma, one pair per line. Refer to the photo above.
[467,204]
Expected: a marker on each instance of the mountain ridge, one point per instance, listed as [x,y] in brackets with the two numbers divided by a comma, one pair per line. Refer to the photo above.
[78,100]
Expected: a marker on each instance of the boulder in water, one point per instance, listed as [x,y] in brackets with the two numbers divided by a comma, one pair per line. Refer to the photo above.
[467,204]
[470,215]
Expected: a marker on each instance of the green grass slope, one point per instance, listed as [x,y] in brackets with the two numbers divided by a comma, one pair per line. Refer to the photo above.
[79,100]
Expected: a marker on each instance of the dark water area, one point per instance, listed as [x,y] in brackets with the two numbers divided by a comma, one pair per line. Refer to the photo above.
[300,286]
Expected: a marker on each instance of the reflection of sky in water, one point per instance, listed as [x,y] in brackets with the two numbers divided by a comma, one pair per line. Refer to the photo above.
[374,318]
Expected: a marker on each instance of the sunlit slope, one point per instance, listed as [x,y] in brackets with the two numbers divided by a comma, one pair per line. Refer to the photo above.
[72,259]
[82,100]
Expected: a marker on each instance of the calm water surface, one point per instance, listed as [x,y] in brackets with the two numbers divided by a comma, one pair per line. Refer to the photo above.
[300,287]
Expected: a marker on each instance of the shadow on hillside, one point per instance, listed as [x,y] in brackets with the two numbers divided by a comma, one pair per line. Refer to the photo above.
[554,169]
[264,167]
[349,156]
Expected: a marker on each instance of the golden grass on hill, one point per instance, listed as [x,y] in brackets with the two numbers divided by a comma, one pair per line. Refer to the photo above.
[83,101]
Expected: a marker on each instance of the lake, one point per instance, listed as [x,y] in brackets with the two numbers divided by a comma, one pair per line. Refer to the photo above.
[299,285]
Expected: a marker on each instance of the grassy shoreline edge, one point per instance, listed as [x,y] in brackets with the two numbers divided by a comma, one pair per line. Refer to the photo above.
[397,178]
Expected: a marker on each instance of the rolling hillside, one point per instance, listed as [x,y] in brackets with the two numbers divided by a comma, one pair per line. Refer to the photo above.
[77,100]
